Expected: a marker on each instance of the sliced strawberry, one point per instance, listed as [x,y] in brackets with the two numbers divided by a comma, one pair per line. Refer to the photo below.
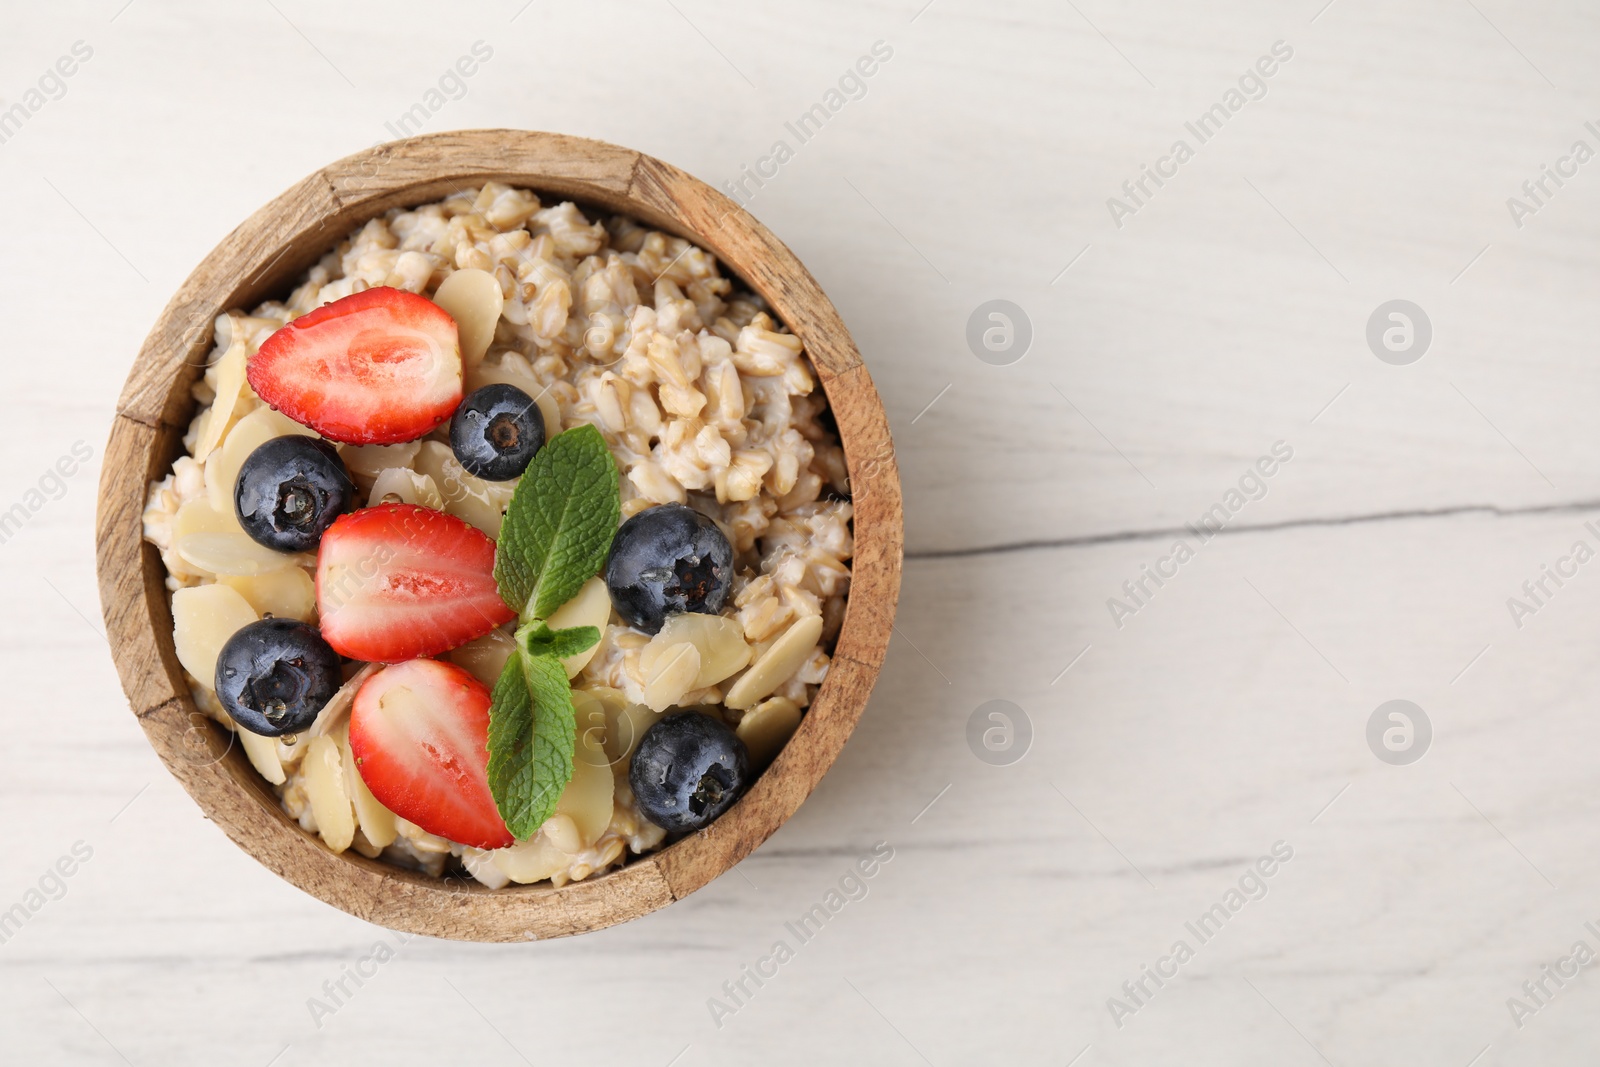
[377,367]
[419,732]
[398,581]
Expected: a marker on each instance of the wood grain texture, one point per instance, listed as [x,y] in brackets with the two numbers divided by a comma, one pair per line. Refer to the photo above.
[1168,354]
[259,259]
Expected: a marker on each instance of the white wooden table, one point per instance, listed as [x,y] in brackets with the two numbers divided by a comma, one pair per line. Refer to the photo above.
[1229,711]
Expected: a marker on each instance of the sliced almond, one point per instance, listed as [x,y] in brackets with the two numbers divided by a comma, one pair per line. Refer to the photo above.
[420,840]
[263,755]
[286,593]
[551,412]
[766,728]
[203,618]
[627,726]
[252,431]
[407,486]
[230,383]
[485,658]
[369,461]
[466,496]
[330,803]
[506,369]
[198,516]
[654,654]
[473,298]
[625,722]
[590,607]
[377,822]
[589,713]
[720,641]
[669,672]
[234,553]
[532,860]
[200,427]
[371,851]
[587,799]
[777,664]
[480,864]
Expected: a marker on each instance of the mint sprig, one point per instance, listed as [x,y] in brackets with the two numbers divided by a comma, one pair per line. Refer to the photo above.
[557,531]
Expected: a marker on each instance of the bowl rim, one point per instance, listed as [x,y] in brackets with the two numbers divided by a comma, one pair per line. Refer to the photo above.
[259,259]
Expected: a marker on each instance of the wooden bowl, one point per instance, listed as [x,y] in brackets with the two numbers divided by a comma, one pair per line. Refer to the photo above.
[260,260]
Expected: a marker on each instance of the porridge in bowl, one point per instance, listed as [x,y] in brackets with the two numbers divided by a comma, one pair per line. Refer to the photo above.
[512,542]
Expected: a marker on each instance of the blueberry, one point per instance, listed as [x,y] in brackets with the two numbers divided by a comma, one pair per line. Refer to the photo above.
[496,431]
[688,769]
[667,560]
[290,490]
[275,675]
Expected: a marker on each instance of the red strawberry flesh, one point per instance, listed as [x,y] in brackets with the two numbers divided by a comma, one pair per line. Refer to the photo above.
[398,581]
[419,732]
[376,367]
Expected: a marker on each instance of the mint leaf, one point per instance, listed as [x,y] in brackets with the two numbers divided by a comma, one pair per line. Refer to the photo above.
[511,774]
[555,734]
[560,523]
[537,639]
[533,732]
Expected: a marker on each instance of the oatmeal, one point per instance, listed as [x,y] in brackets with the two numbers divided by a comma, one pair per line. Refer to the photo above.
[721,592]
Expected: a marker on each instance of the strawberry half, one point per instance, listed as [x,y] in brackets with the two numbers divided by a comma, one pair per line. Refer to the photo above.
[378,367]
[398,581]
[419,732]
